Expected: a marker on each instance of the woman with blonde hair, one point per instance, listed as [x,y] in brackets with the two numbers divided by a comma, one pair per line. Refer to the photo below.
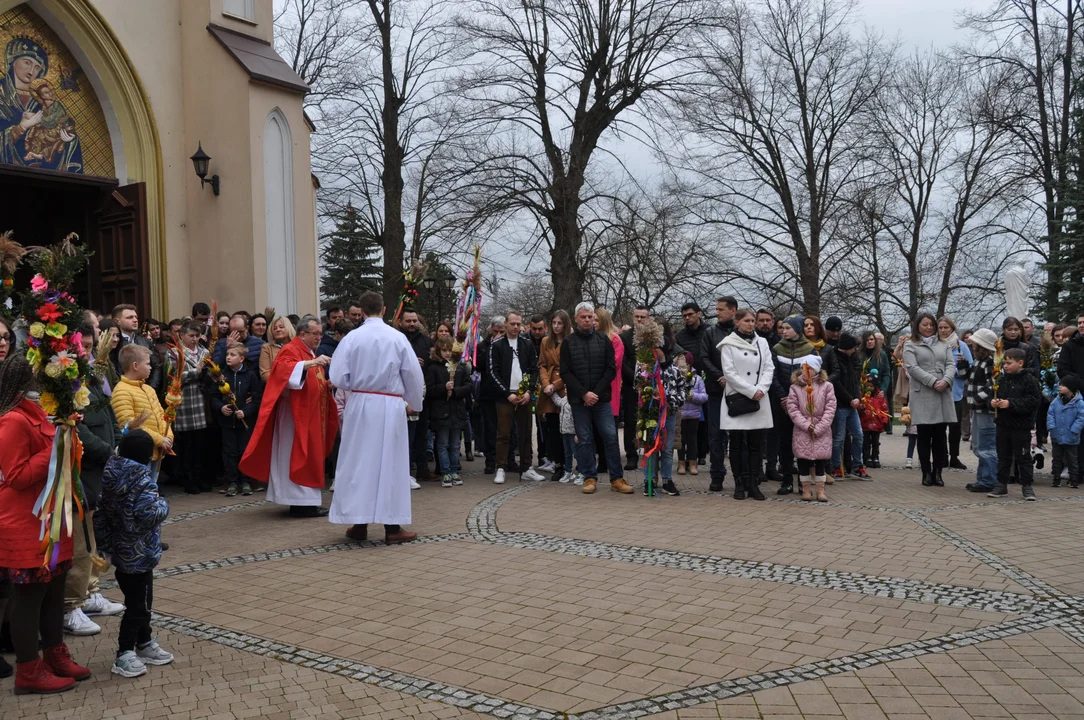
[279,333]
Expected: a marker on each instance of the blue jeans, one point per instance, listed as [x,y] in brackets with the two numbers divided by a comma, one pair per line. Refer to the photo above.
[718,440]
[570,450]
[588,419]
[447,442]
[984,445]
[846,422]
[666,452]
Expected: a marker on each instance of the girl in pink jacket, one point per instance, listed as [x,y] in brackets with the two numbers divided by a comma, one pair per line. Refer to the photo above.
[812,407]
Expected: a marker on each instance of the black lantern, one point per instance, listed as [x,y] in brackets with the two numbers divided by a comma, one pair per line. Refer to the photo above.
[449,281]
[201,161]
[429,283]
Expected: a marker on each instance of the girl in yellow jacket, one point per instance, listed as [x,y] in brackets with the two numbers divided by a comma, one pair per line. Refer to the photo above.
[132,397]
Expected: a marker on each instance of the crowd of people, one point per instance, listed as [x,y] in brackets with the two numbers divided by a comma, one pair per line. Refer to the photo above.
[278,401]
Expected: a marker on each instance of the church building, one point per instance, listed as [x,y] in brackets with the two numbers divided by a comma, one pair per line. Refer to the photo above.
[170,136]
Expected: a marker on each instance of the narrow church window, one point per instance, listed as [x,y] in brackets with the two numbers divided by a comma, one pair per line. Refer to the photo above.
[278,169]
[244,9]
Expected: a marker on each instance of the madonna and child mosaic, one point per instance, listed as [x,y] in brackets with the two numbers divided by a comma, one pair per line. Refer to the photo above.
[50,118]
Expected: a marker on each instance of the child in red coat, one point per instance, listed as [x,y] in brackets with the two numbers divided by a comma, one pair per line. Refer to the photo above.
[874,416]
[37,593]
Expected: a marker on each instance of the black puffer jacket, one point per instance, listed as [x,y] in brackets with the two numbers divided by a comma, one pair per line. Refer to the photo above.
[1024,395]
[1031,361]
[710,363]
[246,386]
[844,372]
[421,343]
[445,412]
[1071,358]
[690,339]
[588,365]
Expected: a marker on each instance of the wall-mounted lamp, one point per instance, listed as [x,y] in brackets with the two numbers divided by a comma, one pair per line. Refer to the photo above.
[201,161]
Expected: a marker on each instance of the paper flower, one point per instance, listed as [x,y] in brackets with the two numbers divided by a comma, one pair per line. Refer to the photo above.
[57,330]
[33,356]
[38,284]
[37,330]
[60,365]
[77,343]
[48,403]
[82,397]
[49,312]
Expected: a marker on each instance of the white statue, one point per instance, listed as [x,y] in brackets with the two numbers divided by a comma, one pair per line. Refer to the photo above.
[1017,285]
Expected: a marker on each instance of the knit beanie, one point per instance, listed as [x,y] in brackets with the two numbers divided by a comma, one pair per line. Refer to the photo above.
[1072,382]
[137,446]
[796,322]
[847,342]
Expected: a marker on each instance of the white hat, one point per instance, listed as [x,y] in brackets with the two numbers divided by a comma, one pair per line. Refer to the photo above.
[813,361]
[985,338]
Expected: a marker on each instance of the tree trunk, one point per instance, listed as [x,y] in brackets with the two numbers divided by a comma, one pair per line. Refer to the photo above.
[565,271]
[391,180]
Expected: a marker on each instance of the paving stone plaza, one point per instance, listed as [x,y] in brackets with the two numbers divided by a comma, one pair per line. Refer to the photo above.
[535,601]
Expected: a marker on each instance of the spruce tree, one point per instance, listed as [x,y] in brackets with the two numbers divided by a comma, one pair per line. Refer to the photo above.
[350,258]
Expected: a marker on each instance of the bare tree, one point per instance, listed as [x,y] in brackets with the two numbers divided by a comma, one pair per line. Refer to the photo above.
[774,143]
[549,80]
[1037,42]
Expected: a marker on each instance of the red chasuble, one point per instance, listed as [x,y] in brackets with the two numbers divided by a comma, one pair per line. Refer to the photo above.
[316,421]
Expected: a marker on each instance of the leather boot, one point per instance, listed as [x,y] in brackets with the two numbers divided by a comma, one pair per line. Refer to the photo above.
[807,487]
[927,479]
[358,533]
[403,536]
[936,478]
[36,677]
[681,467]
[821,497]
[60,661]
[5,669]
[787,486]
[739,487]
[753,488]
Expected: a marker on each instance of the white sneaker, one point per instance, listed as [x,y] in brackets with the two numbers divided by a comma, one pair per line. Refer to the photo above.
[332,488]
[76,623]
[567,477]
[532,475]
[498,479]
[1065,474]
[98,605]
[414,484]
[548,466]
[578,479]
[128,665]
[153,654]
[909,464]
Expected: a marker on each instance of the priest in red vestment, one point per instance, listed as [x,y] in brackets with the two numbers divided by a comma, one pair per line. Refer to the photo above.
[297,426]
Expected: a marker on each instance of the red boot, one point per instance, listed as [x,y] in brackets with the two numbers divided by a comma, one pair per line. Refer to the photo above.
[36,677]
[61,663]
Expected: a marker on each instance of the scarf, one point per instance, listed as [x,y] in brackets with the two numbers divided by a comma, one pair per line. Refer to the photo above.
[952,340]
[818,345]
[930,341]
[794,349]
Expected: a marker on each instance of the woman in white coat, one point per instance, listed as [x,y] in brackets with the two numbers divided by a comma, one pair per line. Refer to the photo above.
[746,361]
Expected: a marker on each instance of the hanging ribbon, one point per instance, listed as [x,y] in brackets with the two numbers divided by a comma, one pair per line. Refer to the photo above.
[62,497]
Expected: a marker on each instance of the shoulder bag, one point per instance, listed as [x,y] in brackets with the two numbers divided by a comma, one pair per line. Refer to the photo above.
[738,404]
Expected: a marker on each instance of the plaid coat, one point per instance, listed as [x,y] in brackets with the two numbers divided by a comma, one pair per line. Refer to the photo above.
[192,414]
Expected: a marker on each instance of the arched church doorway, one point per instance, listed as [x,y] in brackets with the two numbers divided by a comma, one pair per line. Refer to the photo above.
[72,121]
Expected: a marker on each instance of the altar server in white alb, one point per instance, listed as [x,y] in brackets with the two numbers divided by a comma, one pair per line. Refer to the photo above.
[378,369]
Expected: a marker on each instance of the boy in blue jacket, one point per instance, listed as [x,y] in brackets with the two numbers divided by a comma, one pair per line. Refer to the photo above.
[1064,421]
[128,526]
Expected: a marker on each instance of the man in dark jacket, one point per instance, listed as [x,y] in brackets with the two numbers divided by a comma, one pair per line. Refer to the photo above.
[127,319]
[238,333]
[689,338]
[538,331]
[766,329]
[715,384]
[588,367]
[844,369]
[1071,358]
[97,432]
[629,401]
[328,343]
[513,365]
[487,397]
[411,326]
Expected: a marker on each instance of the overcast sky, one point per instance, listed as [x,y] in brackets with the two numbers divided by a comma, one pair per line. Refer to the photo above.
[919,23]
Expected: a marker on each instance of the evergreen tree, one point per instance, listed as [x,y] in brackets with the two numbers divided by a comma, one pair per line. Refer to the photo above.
[351,261]
[1070,255]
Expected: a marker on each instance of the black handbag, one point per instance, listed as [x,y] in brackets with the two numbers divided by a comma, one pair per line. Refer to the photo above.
[738,404]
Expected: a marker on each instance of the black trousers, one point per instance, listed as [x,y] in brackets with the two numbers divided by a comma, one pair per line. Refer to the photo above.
[419,441]
[689,450]
[629,404]
[135,626]
[811,467]
[1014,447]
[487,410]
[540,439]
[555,444]
[37,607]
[932,447]
[702,441]
[191,449]
[955,432]
[771,438]
[871,446]
[234,442]
[745,451]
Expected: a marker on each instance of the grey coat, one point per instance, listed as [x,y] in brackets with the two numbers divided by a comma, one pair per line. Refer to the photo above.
[926,365]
